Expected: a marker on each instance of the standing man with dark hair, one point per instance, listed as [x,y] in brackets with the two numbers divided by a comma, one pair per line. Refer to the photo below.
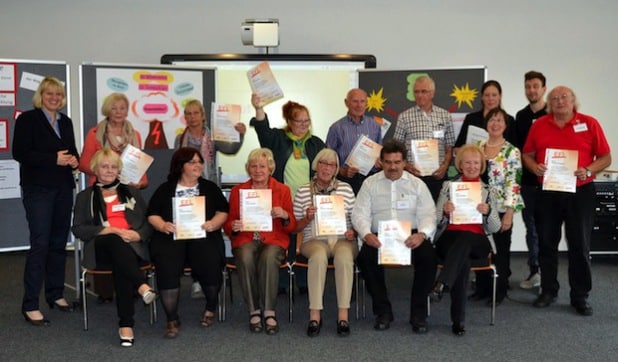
[564,128]
[343,134]
[425,121]
[534,83]
[393,194]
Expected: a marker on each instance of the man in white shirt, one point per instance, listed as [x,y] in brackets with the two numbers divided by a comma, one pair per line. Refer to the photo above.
[393,194]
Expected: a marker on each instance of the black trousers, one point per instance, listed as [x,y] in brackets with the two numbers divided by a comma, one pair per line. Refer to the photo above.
[425,264]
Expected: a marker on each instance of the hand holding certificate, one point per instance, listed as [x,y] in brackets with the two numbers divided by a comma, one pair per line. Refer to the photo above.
[255,208]
[425,155]
[392,235]
[330,215]
[466,196]
[135,162]
[223,119]
[560,173]
[264,84]
[364,155]
[189,216]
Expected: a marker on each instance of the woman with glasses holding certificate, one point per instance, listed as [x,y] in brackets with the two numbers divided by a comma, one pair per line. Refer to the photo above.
[323,208]
[261,219]
[460,237]
[187,213]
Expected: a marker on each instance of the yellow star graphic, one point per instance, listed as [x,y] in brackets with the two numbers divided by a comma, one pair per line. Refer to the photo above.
[375,101]
[464,95]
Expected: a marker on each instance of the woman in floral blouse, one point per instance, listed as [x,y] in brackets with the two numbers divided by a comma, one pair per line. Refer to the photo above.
[503,174]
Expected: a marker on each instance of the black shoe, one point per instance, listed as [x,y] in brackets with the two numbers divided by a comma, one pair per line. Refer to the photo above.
[436,293]
[582,308]
[104,300]
[544,300]
[458,329]
[343,328]
[313,328]
[271,329]
[419,328]
[257,326]
[383,322]
[69,307]
[476,296]
[125,341]
[36,322]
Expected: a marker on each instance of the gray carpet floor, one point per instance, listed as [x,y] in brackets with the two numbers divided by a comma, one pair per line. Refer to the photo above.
[521,332]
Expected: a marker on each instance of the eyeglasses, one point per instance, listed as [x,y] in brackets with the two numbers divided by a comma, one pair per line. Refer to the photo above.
[328,164]
[564,97]
[301,121]
[422,91]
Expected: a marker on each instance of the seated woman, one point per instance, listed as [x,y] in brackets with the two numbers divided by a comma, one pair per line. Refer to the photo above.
[110,218]
[205,255]
[461,242]
[319,248]
[260,253]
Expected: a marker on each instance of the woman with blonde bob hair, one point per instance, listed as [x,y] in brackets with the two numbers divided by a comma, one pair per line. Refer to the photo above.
[317,249]
[260,253]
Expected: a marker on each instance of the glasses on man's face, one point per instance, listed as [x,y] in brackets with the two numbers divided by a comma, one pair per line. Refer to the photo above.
[563,97]
[327,164]
[422,91]
[194,162]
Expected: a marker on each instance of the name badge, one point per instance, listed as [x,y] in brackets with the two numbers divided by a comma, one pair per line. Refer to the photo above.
[438,134]
[403,204]
[580,127]
[118,208]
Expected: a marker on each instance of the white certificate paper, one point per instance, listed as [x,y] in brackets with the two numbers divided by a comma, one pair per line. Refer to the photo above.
[364,155]
[255,208]
[330,215]
[476,134]
[135,162]
[264,84]
[189,215]
[223,119]
[9,179]
[392,235]
[425,155]
[466,196]
[560,173]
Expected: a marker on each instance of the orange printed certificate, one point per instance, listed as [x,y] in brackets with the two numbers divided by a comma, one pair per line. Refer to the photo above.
[223,119]
[264,84]
[364,155]
[560,173]
[330,215]
[189,215]
[255,208]
[466,196]
[393,234]
[135,162]
[425,155]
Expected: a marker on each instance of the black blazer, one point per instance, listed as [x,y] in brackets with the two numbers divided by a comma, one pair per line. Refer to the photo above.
[35,147]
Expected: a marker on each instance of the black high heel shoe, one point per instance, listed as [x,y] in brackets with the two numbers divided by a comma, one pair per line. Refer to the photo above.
[36,322]
[63,308]
[458,329]
[125,341]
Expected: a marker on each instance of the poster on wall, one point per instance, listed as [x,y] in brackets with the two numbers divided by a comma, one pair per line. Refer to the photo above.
[156,100]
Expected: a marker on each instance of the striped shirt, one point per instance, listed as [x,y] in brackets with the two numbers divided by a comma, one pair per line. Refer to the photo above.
[343,134]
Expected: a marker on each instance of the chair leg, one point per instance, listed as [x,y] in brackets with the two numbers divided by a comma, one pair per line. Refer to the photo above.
[493,299]
[84,302]
[150,274]
[221,307]
[290,293]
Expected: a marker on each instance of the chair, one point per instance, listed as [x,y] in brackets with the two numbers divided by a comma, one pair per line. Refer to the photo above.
[147,268]
[302,262]
[230,266]
[483,264]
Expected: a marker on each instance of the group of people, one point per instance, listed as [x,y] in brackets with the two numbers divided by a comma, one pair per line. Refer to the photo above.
[121,231]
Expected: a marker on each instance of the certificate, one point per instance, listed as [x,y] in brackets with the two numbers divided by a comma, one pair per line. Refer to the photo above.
[466,196]
[135,162]
[392,235]
[255,208]
[425,155]
[223,119]
[476,134]
[364,155]
[264,84]
[189,215]
[560,173]
[330,215]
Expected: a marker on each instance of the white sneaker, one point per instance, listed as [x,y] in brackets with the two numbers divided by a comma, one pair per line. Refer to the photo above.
[533,281]
[196,291]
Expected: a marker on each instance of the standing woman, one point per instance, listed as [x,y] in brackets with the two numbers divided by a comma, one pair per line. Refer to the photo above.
[114,132]
[44,146]
[110,218]
[491,97]
[205,256]
[503,175]
[259,254]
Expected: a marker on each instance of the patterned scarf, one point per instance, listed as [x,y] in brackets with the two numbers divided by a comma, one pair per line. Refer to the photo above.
[299,144]
[117,145]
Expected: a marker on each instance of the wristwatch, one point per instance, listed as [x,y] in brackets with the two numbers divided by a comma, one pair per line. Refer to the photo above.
[588,172]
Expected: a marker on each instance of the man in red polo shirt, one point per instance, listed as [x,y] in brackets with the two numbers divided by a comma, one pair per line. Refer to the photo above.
[564,128]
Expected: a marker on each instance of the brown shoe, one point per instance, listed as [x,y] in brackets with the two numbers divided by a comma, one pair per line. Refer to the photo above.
[172,329]
[207,320]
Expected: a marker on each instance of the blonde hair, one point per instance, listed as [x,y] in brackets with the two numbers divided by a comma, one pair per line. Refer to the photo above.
[108,103]
[259,153]
[325,153]
[105,153]
[46,83]
[469,148]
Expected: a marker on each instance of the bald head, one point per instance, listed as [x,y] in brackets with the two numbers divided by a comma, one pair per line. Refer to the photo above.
[562,102]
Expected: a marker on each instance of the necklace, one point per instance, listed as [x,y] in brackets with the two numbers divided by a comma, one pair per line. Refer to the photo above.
[495,144]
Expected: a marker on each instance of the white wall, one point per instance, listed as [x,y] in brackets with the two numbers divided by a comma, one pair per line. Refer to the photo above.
[572,41]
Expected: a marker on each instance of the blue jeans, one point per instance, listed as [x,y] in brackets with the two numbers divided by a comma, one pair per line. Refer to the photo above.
[532,239]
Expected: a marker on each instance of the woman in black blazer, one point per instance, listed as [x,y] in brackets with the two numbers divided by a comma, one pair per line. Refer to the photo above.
[44,146]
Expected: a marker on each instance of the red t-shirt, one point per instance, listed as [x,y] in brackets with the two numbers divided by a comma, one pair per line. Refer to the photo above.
[115,214]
